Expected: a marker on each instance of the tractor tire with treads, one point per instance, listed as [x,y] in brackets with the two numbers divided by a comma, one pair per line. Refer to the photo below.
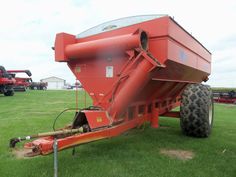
[9,93]
[196,110]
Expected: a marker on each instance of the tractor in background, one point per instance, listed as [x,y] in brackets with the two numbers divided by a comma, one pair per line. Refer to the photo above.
[6,82]
[22,83]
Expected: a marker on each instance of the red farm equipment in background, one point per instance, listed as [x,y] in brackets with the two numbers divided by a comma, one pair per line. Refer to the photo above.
[38,86]
[22,83]
[6,82]
[135,70]
[228,97]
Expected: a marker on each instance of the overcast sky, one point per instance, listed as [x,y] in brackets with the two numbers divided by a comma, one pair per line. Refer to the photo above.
[28,29]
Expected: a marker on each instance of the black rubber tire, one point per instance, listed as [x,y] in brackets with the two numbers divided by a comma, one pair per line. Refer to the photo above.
[196,110]
[9,93]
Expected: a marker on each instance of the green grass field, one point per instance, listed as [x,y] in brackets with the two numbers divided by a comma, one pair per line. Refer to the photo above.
[223,89]
[136,153]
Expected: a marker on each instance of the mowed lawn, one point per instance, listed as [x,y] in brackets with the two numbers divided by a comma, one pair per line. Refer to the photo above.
[136,153]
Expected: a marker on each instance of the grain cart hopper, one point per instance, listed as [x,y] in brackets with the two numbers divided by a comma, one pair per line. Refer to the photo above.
[22,83]
[135,70]
[6,82]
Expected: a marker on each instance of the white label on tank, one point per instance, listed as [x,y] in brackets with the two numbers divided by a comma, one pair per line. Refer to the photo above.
[109,71]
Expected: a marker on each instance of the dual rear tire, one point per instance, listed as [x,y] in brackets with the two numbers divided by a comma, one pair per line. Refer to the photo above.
[196,110]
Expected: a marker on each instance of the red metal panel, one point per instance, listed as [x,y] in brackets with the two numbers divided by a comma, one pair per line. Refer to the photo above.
[92,75]
[186,57]
[158,46]
[62,40]
[4,81]
[176,32]
[97,119]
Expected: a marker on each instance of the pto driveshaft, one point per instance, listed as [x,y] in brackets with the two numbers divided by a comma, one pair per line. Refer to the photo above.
[13,141]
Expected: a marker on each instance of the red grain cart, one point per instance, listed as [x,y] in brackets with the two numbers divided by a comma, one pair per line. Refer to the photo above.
[135,70]
[6,82]
[22,83]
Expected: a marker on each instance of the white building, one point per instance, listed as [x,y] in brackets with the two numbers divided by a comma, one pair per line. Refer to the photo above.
[54,83]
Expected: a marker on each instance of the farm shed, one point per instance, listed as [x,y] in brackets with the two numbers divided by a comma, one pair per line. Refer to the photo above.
[54,83]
